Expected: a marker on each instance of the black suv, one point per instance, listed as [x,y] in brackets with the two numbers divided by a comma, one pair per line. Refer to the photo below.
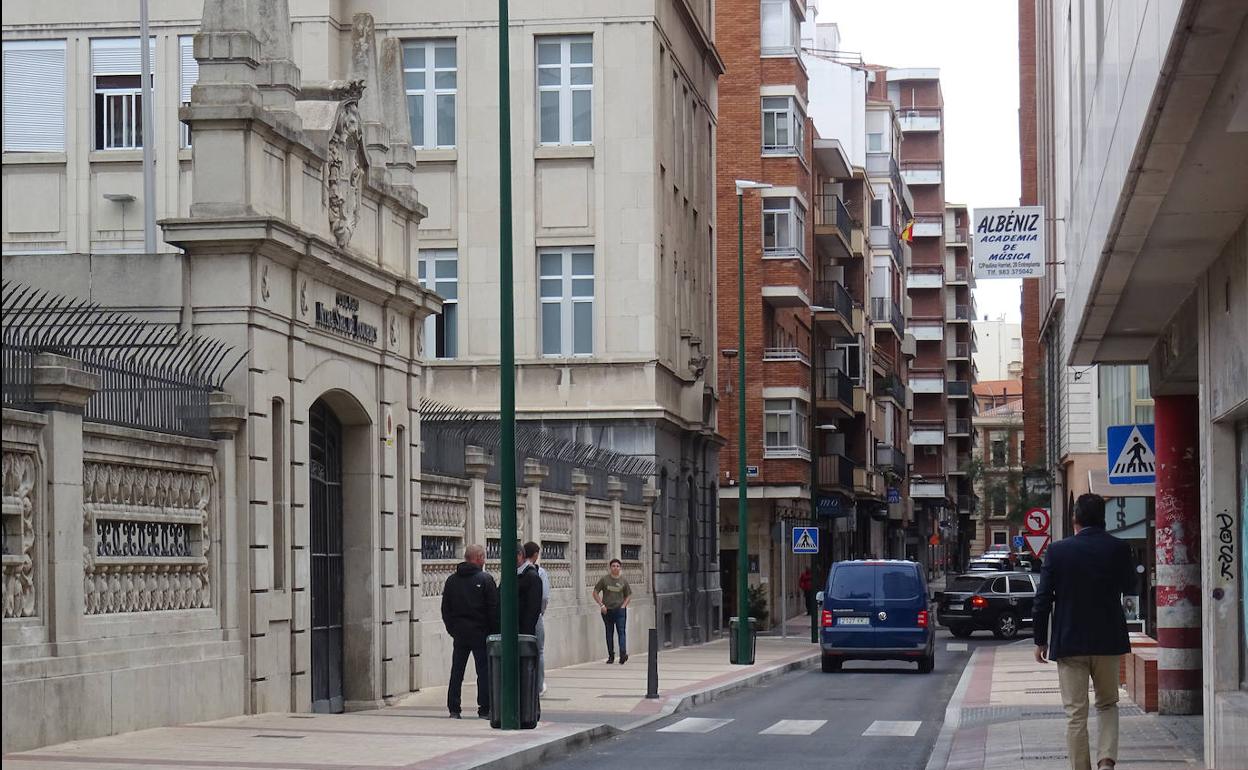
[999,602]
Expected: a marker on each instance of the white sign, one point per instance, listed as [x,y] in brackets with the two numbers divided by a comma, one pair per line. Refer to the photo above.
[1009,243]
[1037,543]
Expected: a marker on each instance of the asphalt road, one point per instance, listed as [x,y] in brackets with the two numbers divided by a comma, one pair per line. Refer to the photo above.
[825,717]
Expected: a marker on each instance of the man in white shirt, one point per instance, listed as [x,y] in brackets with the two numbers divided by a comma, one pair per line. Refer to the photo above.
[533,553]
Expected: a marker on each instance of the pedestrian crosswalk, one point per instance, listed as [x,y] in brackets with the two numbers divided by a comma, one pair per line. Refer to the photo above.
[878,728]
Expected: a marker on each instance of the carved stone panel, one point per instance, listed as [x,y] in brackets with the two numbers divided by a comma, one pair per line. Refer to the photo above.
[20,475]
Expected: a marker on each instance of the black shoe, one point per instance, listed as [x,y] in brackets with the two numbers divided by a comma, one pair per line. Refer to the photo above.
[483,715]
[456,715]
[623,658]
[611,658]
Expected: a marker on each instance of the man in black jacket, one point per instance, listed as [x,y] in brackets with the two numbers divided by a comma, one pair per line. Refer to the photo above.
[470,614]
[528,592]
[1079,622]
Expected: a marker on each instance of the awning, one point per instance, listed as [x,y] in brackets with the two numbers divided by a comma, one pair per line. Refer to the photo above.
[1098,483]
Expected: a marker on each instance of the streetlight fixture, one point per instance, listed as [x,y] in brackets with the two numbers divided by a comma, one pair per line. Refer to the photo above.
[743,561]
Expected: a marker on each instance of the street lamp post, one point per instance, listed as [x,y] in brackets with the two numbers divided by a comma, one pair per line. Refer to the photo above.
[743,559]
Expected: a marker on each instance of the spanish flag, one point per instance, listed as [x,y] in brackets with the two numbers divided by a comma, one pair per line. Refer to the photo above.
[907,232]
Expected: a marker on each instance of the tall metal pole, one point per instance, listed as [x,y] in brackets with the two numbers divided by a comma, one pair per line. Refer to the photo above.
[743,543]
[149,135]
[509,697]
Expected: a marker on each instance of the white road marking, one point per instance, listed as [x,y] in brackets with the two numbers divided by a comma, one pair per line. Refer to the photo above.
[695,725]
[956,647]
[889,729]
[794,727]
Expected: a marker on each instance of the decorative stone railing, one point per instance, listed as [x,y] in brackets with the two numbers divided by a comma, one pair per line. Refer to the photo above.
[20,482]
[444,504]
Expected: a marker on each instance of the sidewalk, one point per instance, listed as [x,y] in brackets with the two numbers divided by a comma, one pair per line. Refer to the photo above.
[1006,714]
[583,703]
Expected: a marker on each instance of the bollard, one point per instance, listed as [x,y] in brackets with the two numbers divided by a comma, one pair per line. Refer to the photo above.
[652,666]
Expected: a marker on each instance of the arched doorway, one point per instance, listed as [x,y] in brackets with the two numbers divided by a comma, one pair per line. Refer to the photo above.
[326,557]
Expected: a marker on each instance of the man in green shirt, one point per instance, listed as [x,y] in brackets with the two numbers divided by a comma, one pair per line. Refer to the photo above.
[612,594]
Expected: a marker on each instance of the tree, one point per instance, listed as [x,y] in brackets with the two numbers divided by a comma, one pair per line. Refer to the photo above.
[1001,489]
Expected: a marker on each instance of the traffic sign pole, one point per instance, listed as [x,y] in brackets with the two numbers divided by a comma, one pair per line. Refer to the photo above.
[784,584]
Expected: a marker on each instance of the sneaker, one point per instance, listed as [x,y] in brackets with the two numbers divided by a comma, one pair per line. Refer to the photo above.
[611,658]
[456,715]
[623,658]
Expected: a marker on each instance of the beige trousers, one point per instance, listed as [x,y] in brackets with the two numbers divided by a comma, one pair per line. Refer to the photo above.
[1072,676]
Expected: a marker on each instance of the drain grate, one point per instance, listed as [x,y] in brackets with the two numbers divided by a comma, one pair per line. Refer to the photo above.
[1040,690]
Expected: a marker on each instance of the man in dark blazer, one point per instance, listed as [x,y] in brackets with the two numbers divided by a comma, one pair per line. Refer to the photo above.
[1079,623]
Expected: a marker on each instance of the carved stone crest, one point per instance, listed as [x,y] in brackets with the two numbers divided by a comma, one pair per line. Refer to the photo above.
[347,162]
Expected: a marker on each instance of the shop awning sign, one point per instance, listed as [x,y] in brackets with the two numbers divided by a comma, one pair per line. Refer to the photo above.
[1008,242]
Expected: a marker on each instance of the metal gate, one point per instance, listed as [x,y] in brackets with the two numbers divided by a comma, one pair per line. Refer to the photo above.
[325,473]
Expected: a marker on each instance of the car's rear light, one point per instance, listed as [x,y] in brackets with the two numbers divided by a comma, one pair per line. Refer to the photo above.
[922,618]
[826,618]
[979,602]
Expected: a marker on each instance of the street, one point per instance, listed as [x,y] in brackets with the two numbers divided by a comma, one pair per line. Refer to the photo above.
[873,715]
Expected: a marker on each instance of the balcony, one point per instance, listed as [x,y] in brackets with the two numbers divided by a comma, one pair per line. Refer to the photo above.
[919,120]
[929,225]
[867,482]
[958,313]
[921,173]
[958,389]
[833,225]
[890,386]
[835,472]
[785,354]
[885,311]
[927,384]
[960,351]
[959,426]
[880,164]
[926,278]
[887,456]
[958,237]
[833,304]
[884,238]
[958,276]
[928,332]
[927,435]
[927,489]
[785,296]
[834,390]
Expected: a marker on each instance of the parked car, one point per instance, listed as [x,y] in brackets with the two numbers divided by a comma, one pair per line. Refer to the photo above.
[991,563]
[998,602]
[1026,561]
[876,610]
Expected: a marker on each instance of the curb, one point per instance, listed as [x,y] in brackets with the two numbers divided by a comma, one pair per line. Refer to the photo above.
[939,758]
[566,745]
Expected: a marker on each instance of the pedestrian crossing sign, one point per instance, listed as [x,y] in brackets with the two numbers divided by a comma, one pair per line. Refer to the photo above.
[1132,454]
[805,540]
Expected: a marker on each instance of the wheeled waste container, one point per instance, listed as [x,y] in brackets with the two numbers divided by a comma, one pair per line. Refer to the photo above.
[530,705]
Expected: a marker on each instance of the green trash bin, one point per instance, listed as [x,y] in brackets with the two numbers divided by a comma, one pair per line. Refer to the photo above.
[530,705]
[732,639]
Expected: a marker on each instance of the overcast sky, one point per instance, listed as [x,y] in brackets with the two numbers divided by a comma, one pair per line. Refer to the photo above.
[975,45]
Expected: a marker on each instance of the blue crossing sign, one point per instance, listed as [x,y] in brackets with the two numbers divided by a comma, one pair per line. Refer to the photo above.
[805,540]
[1131,455]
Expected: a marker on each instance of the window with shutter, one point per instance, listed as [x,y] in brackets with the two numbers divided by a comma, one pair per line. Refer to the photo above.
[34,96]
[188,75]
[118,107]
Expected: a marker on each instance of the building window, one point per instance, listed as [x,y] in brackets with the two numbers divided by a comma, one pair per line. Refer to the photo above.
[781,28]
[875,142]
[439,272]
[1000,449]
[877,213]
[1000,538]
[565,89]
[567,294]
[188,75]
[784,227]
[1124,396]
[783,126]
[430,79]
[115,69]
[784,428]
[34,96]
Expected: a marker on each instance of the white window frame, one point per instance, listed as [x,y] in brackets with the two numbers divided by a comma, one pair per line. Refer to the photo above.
[787,22]
[564,87]
[188,75]
[784,113]
[568,298]
[129,97]
[793,217]
[790,417]
[34,95]
[1005,537]
[430,92]
[446,287]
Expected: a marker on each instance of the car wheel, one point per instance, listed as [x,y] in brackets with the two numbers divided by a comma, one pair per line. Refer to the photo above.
[926,664]
[1007,626]
[961,632]
[831,664]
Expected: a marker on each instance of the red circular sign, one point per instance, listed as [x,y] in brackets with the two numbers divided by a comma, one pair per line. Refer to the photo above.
[1037,521]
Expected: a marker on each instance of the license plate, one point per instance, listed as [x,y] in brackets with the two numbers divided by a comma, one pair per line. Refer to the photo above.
[956,607]
[853,621]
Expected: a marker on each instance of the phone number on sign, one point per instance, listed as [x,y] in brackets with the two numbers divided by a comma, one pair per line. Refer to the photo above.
[1007,272]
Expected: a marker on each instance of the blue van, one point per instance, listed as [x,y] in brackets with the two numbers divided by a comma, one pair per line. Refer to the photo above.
[876,610]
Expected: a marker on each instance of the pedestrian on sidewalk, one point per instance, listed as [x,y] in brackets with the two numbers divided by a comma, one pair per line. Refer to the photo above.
[470,614]
[806,584]
[532,555]
[528,593]
[612,594]
[1079,623]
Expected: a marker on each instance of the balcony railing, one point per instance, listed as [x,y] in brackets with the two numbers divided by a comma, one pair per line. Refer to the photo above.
[835,471]
[960,235]
[831,295]
[928,225]
[785,354]
[890,386]
[961,313]
[961,350]
[958,388]
[958,275]
[832,384]
[885,310]
[959,426]
[831,211]
[887,456]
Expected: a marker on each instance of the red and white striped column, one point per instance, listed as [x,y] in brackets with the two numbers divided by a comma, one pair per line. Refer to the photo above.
[1179,685]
